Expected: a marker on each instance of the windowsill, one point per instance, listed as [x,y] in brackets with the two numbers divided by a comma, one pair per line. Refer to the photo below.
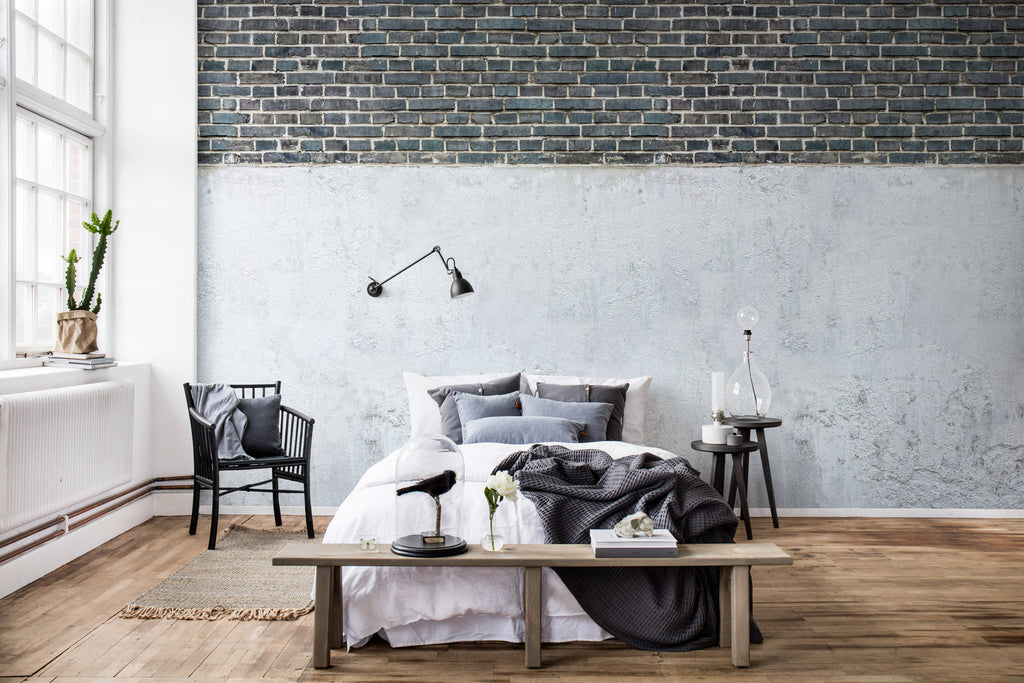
[38,377]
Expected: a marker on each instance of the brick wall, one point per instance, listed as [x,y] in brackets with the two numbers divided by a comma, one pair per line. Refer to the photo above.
[611,82]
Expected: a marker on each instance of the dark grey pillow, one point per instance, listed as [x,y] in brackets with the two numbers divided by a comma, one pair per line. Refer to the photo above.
[262,435]
[451,425]
[593,415]
[592,393]
[522,430]
[473,407]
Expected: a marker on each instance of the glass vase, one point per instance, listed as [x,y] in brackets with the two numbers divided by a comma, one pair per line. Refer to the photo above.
[747,393]
[492,542]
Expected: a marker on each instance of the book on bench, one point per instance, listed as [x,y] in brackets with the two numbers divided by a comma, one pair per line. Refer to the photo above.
[606,544]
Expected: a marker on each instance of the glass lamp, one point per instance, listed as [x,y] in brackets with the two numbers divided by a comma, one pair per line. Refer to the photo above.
[747,393]
[428,489]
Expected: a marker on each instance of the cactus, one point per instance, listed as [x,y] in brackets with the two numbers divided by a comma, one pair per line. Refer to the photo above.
[104,229]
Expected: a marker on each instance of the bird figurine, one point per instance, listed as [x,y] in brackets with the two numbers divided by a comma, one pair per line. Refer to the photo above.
[435,487]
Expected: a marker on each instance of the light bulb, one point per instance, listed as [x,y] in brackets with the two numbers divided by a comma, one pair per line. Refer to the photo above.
[747,317]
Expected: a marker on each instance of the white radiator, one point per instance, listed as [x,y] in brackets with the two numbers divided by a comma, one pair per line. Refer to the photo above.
[61,447]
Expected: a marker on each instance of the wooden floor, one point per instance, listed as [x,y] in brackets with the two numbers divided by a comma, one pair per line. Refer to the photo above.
[866,600]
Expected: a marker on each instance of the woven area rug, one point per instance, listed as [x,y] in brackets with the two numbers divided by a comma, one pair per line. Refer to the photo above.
[235,581]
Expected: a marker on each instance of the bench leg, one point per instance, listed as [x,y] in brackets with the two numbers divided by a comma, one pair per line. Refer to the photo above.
[740,609]
[336,628]
[724,606]
[532,613]
[322,616]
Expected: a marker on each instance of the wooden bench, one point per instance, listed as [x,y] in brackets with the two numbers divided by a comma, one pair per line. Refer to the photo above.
[734,587]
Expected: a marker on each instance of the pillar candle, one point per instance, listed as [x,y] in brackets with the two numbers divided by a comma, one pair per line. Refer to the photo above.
[717,391]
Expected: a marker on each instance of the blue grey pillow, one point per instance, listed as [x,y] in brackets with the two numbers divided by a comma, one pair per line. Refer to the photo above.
[451,425]
[521,430]
[262,435]
[473,407]
[593,415]
[596,393]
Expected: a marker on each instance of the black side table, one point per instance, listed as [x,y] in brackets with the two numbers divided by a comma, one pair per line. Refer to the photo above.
[739,455]
[758,424]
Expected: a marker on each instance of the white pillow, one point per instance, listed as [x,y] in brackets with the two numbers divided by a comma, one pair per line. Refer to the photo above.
[636,399]
[424,413]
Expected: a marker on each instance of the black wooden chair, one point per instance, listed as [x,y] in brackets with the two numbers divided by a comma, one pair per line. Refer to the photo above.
[293,465]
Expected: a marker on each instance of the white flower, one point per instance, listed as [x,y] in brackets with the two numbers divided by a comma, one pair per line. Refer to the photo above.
[504,485]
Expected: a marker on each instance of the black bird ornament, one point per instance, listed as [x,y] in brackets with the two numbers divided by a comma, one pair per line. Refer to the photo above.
[435,487]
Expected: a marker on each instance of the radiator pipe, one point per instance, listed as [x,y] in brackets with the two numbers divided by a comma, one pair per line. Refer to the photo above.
[64,521]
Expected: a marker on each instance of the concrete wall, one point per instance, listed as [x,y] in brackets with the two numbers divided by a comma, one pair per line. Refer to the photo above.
[889,298]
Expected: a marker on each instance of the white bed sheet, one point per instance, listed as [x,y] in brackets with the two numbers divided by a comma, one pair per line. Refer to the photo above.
[429,605]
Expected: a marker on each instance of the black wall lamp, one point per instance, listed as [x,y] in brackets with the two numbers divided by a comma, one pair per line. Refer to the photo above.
[460,286]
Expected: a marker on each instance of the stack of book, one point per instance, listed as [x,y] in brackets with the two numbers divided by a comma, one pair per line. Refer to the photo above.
[606,544]
[83,361]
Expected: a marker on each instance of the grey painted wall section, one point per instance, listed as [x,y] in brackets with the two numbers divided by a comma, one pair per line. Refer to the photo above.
[890,304]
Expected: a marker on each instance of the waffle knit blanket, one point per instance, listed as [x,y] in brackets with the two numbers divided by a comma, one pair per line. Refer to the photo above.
[650,608]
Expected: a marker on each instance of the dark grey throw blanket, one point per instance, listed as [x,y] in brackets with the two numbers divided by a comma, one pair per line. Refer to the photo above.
[650,608]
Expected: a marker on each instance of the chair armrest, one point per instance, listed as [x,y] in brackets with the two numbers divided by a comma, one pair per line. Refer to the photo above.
[296,413]
[296,432]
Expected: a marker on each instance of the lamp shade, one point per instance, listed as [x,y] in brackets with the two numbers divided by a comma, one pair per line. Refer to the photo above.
[460,285]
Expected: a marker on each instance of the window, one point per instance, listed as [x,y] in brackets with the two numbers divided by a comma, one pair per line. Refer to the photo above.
[48,78]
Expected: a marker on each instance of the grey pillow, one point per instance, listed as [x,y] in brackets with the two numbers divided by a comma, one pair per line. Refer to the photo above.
[593,415]
[473,407]
[262,435]
[451,425]
[522,430]
[592,393]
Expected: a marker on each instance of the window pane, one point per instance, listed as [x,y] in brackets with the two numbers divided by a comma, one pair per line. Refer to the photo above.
[77,238]
[76,161]
[49,238]
[47,306]
[51,15]
[26,146]
[80,24]
[25,50]
[24,309]
[79,86]
[51,65]
[25,242]
[49,157]
[26,7]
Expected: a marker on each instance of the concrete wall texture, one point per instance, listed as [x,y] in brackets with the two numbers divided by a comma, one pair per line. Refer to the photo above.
[611,82]
[890,304]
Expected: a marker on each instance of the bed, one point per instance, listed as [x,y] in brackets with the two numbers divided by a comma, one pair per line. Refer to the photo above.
[423,606]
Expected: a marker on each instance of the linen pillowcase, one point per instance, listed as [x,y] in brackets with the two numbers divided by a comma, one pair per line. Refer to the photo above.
[594,416]
[636,398]
[522,430]
[473,407]
[424,416]
[262,435]
[444,397]
[591,393]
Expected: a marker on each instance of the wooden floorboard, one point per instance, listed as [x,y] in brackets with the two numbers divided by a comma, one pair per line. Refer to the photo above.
[866,601]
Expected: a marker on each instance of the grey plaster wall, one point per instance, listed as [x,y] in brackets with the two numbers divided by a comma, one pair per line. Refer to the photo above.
[890,303]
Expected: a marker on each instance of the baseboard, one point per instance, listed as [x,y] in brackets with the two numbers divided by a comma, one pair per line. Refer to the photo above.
[950,513]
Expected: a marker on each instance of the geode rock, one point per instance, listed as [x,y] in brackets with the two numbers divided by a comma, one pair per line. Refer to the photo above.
[636,524]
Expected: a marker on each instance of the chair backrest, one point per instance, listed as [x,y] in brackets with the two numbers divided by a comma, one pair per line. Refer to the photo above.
[243,391]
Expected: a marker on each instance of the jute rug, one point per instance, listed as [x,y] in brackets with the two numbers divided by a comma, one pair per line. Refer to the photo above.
[235,581]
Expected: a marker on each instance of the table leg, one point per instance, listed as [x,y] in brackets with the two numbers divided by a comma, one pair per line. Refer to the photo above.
[740,608]
[336,628]
[718,472]
[766,468]
[532,613]
[724,606]
[321,616]
[745,433]
[737,477]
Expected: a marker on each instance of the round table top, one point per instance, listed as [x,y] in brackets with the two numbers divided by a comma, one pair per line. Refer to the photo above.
[745,447]
[753,422]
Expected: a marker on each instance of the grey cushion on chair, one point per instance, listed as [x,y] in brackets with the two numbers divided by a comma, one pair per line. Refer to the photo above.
[262,435]
[451,425]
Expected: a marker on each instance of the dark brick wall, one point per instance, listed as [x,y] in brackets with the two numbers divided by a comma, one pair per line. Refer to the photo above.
[611,82]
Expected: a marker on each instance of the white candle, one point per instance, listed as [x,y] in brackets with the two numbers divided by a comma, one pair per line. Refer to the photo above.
[717,391]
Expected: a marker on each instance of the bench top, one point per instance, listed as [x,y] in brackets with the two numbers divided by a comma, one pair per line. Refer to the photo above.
[532,555]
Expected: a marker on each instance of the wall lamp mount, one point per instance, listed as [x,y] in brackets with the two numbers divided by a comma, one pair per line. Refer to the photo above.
[460,286]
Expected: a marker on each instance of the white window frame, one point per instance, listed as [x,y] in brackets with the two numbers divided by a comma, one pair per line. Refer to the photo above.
[14,94]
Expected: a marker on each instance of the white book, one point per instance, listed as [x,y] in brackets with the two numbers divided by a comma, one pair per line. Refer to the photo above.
[77,356]
[606,538]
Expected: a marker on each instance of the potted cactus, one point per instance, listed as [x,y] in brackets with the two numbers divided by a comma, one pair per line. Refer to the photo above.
[76,327]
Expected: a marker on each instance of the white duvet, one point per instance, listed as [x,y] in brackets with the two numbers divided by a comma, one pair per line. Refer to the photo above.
[427,605]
